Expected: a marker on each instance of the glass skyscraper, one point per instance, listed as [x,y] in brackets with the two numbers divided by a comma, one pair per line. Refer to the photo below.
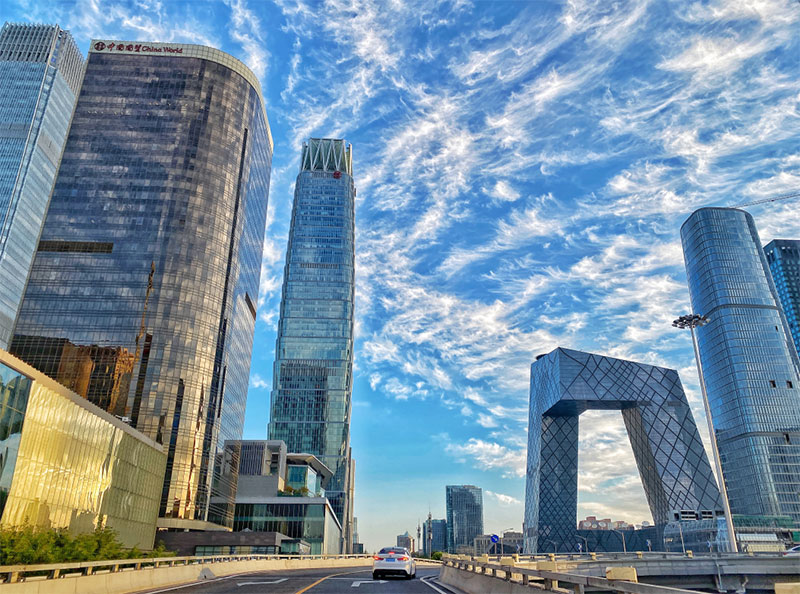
[40,73]
[464,515]
[783,257]
[312,385]
[142,296]
[750,365]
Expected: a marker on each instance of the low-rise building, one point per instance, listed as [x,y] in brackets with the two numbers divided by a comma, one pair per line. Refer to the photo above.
[280,506]
[66,463]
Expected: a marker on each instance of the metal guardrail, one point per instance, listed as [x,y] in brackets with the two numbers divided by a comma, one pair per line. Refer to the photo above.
[552,580]
[17,573]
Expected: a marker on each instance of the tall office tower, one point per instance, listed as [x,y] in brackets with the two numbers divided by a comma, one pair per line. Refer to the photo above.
[40,73]
[434,535]
[464,515]
[750,365]
[142,296]
[310,408]
[783,257]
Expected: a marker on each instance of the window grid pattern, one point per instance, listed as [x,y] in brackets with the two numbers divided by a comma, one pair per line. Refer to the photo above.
[783,257]
[669,454]
[167,159]
[751,368]
[40,72]
[311,397]
[464,508]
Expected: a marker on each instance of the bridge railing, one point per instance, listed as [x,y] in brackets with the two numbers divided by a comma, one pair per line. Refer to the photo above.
[18,573]
[554,579]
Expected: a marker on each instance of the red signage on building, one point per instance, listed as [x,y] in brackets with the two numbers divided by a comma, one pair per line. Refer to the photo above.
[337,174]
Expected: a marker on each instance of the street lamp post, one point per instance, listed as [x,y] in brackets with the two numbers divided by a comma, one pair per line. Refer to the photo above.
[695,321]
[555,546]
[584,540]
[502,535]
[622,534]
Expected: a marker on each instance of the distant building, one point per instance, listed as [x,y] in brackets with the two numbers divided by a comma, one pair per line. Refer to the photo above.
[783,257]
[592,523]
[40,74]
[434,536]
[310,405]
[464,505]
[508,543]
[68,464]
[754,534]
[406,541]
[142,295]
[750,364]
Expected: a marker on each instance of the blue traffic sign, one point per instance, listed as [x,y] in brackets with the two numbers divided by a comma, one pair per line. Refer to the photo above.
[495,538]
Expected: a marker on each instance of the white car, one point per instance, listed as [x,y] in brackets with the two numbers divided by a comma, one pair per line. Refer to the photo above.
[394,561]
[793,552]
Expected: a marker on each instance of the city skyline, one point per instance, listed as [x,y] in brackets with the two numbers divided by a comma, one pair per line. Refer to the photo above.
[523,174]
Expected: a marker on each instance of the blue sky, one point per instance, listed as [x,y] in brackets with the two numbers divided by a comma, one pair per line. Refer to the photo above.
[523,169]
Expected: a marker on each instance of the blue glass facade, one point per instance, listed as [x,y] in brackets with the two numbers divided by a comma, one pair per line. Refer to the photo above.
[434,536]
[143,290]
[750,365]
[464,505]
[672,462]
[40,73]
[311,397]
[783,257]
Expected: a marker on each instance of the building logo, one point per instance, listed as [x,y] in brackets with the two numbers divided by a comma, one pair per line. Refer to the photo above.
[337,174]
[136,48]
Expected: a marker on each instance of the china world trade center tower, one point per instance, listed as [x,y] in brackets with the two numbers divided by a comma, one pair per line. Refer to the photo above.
[142,296]
[310,408]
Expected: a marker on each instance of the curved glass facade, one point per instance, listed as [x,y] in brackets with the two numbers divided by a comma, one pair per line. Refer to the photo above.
[310,408]
[751,368]
[142,296]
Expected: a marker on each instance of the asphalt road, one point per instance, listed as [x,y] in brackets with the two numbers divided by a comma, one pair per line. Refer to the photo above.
[316,581]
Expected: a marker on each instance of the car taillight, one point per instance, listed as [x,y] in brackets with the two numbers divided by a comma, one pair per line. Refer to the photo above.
[402,558]
[376,557]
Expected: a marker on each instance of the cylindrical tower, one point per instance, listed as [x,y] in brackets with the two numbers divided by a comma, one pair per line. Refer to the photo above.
[142,296]
[750,364]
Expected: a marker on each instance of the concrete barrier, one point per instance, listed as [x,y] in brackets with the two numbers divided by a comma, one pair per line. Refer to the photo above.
[477,583]
[136,580]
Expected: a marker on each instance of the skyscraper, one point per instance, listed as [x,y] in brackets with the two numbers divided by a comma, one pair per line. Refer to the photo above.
[750,365]
[434,535]
[40,73]
[310,407]
[142,296]
[783,257]
[464,515]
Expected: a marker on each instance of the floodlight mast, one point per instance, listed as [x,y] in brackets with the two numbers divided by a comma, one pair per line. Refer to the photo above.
[693,321]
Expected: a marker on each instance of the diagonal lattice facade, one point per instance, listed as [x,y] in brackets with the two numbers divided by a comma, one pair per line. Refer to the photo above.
[670,457]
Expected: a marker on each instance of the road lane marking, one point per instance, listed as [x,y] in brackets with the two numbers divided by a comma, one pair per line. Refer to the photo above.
[427,581]
[280,581]
[357,583]
[307,588]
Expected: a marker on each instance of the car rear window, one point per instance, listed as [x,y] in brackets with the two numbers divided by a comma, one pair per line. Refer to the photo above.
[394,550]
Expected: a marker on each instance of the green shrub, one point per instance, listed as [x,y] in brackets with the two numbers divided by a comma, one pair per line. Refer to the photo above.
[31,546]
[436,555]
